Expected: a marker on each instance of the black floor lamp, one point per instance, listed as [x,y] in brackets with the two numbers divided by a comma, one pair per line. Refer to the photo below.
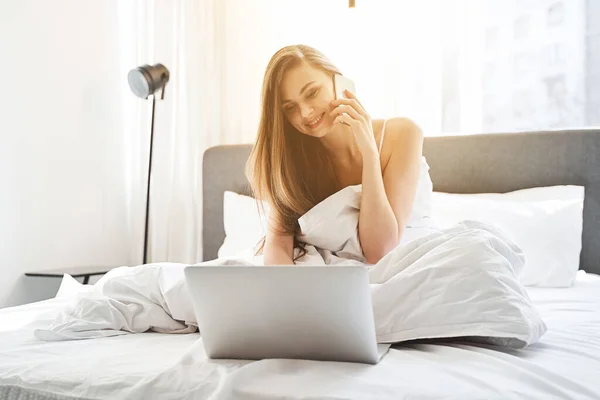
[144,81]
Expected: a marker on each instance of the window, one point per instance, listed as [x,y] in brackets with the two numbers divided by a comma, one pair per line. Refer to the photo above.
[556,14]
[554,54]
[521,28]
[492,38]
[491,110]
[522,104]
[555,87]
[521,64]
[490,72]
[557,101]
[545,80]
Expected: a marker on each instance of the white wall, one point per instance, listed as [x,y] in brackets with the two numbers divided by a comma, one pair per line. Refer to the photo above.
[70,171]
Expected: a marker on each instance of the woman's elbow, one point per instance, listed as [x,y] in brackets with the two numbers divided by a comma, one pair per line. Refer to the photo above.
[375,253]
[373,257]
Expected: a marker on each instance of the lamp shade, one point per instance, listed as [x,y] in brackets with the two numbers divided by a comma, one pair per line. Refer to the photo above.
[147,79]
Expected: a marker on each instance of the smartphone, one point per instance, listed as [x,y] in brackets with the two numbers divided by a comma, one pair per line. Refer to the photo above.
[341,83]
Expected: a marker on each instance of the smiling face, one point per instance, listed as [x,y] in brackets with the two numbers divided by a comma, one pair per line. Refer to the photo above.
[306,93]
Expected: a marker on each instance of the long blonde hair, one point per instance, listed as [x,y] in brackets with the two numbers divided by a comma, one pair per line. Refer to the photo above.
[288,169]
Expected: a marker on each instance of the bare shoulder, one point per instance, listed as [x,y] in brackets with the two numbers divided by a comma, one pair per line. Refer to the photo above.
[400,133]
[401,129]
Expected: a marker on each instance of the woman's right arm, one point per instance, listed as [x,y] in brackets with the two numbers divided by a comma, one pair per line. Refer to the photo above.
[279,249]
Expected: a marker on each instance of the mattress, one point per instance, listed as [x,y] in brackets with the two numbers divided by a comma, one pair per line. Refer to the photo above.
[565,364]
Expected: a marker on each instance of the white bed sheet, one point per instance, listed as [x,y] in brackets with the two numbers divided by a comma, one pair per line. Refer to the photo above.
[96,368]
[564,365]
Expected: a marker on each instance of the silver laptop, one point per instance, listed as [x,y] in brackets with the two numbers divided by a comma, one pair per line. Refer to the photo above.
[314,313]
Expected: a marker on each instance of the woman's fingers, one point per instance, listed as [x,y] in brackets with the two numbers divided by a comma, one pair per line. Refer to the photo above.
[354,103]
[346,120]
[352,96]
[344,108]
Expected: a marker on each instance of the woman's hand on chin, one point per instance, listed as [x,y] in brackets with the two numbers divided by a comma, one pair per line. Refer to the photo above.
[351,113]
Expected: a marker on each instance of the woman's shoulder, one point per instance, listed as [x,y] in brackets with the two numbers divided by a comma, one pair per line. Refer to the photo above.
[398,132]
[397,127]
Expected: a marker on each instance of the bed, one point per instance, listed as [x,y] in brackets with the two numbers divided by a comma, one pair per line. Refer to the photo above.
[565,364]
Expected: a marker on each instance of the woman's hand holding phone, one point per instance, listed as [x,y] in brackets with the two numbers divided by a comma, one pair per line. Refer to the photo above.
[351,112]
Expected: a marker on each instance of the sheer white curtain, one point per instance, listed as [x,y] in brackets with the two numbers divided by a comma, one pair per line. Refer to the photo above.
[184,36]
[186,40]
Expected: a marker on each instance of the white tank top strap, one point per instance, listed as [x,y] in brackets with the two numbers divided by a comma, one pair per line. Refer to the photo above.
[382,135]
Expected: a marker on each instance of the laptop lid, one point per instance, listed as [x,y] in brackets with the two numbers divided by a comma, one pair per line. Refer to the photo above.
[318,313]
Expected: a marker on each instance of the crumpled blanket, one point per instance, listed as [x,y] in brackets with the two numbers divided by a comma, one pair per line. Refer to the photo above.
[456,282]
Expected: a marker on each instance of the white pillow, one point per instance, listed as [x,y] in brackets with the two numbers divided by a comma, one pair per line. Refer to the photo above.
[546,222]
[244,225]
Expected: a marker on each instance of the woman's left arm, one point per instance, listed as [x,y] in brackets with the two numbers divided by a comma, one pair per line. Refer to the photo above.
[387,198]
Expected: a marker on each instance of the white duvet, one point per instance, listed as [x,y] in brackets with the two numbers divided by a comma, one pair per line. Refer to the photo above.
[457,282]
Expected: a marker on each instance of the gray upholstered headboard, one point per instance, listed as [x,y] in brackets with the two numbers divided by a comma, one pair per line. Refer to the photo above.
[494,163]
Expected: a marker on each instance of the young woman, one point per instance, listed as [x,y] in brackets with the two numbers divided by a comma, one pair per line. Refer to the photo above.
[310,145]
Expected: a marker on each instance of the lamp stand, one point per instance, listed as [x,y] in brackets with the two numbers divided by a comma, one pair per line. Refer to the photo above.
[148,184]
